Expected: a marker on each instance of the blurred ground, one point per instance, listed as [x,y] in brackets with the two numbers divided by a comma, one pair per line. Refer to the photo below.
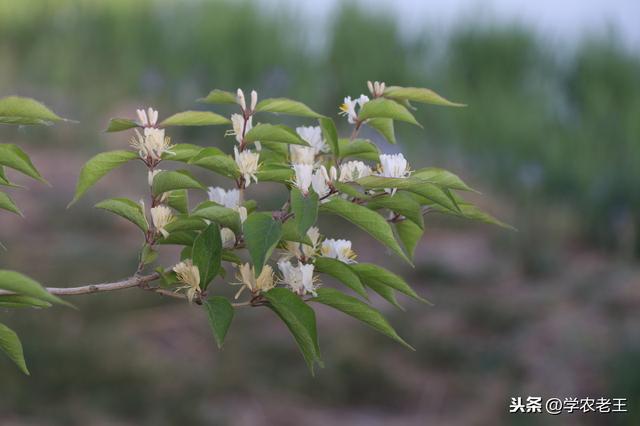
[551,139]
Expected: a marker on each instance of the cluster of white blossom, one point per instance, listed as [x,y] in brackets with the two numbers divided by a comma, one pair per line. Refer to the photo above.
[152,142]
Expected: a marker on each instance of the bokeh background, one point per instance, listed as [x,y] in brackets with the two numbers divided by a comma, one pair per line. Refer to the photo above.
[551,137]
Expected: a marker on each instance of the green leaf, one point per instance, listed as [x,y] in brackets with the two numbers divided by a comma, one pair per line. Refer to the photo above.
[10,344]
[369,272]
[305,209]
[286,106]
[472,212]
[367,220]
[18,283]
[342,272]
[13,157]
[20,301]
[261,234]
[330,133]
[223,216]
[99,166]
[400,203]
[217,96]
[300,320]
[220,313]
[410,234]
[6,203]
[183,152]
[274,133]
[230,256]
[275,173]
[290,233]
[418,94]
[359,310]
[386,108]
[148,255]
[384,126]
[207,253]
[120,124]
[213,159]
[361,149]
[170,180]
[179,200]
[442,178]
[195,118]
[19,110]
[180,238]
[126,208]
[185,223]
[387,293]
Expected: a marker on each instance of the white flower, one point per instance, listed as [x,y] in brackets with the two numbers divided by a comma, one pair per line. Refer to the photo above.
[242,211]
[189,275]
[313,136]
[393,166]
[247,279]
[240,99]
[247,162]
[254,100]
[161,216]
[338,249]
[320,180]
[147,118]
[300,278]
[376,88]
[314,235]
[348,108]
[304,173]
[353,170]
[152,144]
[302,154]
[228,238]
[228,198]
[151,175]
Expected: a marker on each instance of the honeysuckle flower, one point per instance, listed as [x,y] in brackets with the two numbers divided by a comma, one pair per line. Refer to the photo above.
[376,88]
[254,100]
[338,249]
[348,108]
[313,136]
[302,154]
[161,216]
[247,162]
[228,238]
[152,144]
[240,99]
[151,175]
[247,279]
[393,166]
[304,174]
[321,181]
[299,278]
[147,118]
[189,275]
[229,198]
[242,211]
[353,170]
[294,249]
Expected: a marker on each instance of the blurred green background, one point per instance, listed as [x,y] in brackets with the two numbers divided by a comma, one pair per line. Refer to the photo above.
[551,137]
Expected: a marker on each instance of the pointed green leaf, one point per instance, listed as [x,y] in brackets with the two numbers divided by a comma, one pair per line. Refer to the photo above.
[220,313]
[367,220]
[6,203]
[286,106]
[195,118]
[213,159]
[261,234]
[20,301]
[126,208]
[186,223]
[19,110]
[410,234]
[386,108]
[275,173]
[418,94]
[442,177]
[18,283]
[180,238]
[179,200]
[217,96]
[387,293]
[206,254]
[223,216]
[305,209]
[97,167]
[330,134]
[170,180]
[400,203]
[384,126]
[290,233]
[10,344]
[370,272]
[184,152]
[342,272]
[361,149]
[13,157]
[300,320]
[120,124]
[274,133]
[359,310]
